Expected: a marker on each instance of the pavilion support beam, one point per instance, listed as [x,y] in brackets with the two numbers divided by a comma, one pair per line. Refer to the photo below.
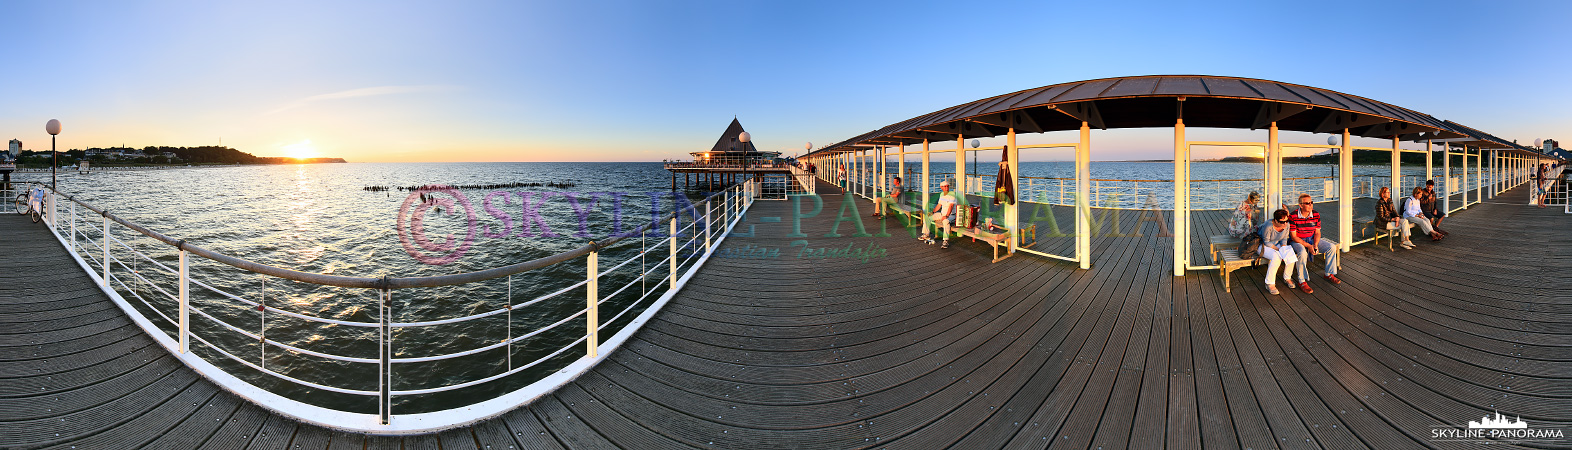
[1345,194]
[1012,210]
[1082,111]
[1272,112]
[1274,168]
[927,188]
[1181,195]
[1429,164]
[1343,120]
[1465,177]
[1083,209]
[1397,170]
[1446,176]
[960,166]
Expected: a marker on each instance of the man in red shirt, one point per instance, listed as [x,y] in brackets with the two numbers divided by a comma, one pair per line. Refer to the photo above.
[1308,242]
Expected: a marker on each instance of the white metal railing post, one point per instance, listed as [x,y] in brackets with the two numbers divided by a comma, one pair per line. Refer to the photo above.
[592,316]
[707,207]
[385,355]
[105,261]
[73,227]
[673,238]
[185,301]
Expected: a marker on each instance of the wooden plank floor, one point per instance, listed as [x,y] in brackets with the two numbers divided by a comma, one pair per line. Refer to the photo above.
[922,347]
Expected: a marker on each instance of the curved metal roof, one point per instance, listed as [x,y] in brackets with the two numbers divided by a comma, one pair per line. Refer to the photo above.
[1156,101]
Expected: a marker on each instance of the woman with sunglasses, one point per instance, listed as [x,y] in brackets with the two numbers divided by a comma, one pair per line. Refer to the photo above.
[1275,248]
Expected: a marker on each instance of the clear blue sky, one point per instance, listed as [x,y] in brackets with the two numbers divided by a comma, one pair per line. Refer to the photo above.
[576,81]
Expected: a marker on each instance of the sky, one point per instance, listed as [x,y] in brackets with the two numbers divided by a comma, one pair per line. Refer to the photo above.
[388,81]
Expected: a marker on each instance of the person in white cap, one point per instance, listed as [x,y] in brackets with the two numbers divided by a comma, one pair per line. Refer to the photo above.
[942,211]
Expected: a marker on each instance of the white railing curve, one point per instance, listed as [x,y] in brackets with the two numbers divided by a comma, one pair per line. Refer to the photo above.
[115,262]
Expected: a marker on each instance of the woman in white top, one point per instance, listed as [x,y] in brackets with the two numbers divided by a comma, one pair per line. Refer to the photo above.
[1276,250]
[1416,215]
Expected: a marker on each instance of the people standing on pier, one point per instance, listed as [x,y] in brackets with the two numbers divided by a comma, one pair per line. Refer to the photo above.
[1539,185]
[1386,214]
[1244,216]
[1413,214]
[942,210]
[1433,208]
[1308,243]
[893,200]
[1274,247]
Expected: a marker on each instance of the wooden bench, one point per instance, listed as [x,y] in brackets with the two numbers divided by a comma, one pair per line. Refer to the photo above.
[1378,228]
[999,236]
[1225,253]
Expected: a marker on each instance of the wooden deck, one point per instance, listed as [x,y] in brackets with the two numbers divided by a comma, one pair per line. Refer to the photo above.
[922,347]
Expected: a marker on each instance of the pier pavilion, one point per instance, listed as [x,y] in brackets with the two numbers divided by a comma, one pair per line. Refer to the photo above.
[731,160]
[917,348]
[1179,102]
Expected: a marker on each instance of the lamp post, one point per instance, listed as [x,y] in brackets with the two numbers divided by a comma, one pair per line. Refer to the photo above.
[744,138]
[53,127]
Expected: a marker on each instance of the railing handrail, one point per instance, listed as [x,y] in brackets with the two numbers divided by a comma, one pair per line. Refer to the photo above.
[383,282]
[725,208]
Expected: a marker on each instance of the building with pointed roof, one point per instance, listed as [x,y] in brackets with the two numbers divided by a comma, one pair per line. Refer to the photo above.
[730,149]
[730,160]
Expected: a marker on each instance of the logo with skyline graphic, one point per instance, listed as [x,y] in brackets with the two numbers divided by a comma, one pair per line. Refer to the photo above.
[1496,427]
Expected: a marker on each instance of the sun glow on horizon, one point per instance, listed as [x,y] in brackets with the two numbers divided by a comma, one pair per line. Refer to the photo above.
[300,150]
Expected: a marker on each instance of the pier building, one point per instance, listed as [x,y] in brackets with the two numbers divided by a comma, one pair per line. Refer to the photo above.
[732,159]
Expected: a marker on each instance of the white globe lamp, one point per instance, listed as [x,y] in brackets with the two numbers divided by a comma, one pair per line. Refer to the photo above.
[53,127]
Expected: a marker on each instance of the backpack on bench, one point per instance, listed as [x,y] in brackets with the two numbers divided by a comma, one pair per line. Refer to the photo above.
[1250,246]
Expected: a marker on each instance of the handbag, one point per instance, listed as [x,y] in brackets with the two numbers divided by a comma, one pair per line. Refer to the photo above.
[1250,246]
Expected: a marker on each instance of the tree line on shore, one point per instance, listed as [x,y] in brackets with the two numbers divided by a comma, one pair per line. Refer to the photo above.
[155,155]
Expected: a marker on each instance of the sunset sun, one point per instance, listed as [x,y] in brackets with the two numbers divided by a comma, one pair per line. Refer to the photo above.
[300,150]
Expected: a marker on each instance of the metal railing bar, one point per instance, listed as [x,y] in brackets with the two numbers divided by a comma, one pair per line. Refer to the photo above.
[143,300]
[492,346]
[285,377]
[144,256]
[387,282]
[493,377]
[151,284]
[487,313]
[625,310]
[283,345]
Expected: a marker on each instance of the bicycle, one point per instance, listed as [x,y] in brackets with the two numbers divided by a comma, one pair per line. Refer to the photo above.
[31,203]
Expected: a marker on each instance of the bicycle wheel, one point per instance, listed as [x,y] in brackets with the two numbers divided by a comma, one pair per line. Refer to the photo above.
[21,204]
[36,217]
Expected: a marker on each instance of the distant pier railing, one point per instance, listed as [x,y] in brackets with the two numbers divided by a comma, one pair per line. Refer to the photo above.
[129,274]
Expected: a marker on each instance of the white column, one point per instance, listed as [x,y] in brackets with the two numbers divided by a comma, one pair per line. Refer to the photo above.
[960,166]
[1429,164]
[927,188]
[1397,169]
[900,167]
[1012,211]
[1181,198]
[1446,176]
[1465,177]
[1345,194]
[1083,209]
[1274,169]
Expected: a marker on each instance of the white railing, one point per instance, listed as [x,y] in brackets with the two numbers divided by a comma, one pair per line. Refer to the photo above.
[188,313]
[805,183]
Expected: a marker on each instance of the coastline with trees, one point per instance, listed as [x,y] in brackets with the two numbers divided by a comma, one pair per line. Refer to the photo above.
[159,156]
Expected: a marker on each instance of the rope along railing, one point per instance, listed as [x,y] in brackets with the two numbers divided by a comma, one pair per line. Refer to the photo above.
[163,295]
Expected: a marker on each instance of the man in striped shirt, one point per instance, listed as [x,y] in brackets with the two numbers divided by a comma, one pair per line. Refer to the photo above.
[1308,242]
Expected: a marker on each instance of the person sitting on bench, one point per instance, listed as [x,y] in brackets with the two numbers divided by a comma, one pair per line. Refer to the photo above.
[1387,216]
[893,200]
[1413,213]
[942,210]
[1308,242]
[1275,248]
[1433,208]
